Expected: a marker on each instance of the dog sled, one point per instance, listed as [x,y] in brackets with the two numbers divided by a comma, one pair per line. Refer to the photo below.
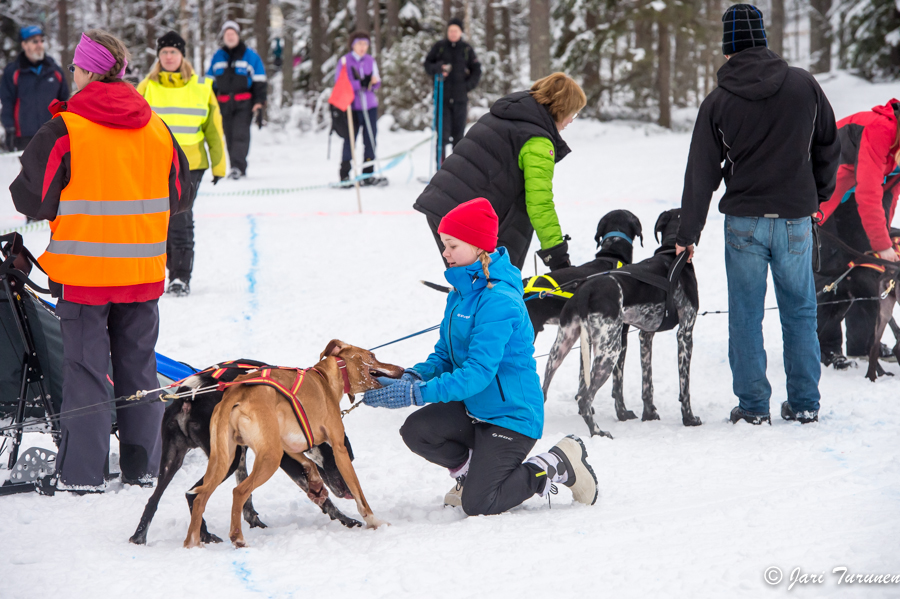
[31,369]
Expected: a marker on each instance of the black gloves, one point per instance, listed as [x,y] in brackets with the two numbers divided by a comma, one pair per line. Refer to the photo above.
[215,179]
[556,257]
[10,141]
[365,82]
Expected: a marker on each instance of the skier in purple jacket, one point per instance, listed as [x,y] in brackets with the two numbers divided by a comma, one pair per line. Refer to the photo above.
[363,73]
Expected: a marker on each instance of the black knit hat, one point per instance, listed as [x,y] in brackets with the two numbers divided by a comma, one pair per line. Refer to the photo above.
[456,21]
[170,40]
[743,29]
[358,35]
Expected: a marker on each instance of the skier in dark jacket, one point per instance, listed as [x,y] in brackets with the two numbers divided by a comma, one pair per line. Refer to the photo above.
[29,84]
[240,86]
[774,130]
[454,60]
[508,157]
[860,212]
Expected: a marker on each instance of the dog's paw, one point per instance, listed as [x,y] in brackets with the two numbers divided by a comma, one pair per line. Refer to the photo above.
[599,433]
[373,522]
[318,493]
[626,415]
[209,537]
[255,522]
[692,421]
[654,415]
[349,522]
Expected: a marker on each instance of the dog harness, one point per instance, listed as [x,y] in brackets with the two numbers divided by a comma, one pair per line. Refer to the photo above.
[554,289]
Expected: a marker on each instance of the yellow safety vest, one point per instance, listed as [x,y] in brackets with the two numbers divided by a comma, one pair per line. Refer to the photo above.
[184,109]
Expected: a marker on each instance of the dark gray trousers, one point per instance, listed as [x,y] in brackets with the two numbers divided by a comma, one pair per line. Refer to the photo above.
[92,336]
[443,434]
[180,240]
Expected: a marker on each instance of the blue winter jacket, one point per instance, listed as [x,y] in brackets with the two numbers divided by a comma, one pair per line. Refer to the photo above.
[238,70]
[485,356]
[26,91]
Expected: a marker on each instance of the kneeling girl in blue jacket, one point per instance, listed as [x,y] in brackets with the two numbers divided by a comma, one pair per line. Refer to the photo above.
[483,405]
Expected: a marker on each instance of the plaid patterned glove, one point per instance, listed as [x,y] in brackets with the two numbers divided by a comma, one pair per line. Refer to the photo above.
[401,394]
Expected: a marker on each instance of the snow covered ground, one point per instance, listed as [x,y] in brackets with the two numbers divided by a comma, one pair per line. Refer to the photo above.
[683,512]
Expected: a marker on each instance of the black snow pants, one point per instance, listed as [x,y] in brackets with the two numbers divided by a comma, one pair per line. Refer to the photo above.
[180,240]
[92,336]
[237,116]
[453,123]
[443,434]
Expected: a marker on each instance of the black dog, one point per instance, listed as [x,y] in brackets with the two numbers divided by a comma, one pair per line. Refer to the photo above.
[615,235]
[185,427]
[601,310]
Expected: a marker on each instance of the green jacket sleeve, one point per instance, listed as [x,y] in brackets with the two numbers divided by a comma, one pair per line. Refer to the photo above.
[537,162]
[215,137]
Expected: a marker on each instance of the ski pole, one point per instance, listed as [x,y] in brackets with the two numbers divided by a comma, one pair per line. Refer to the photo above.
[440,134]
[368,127]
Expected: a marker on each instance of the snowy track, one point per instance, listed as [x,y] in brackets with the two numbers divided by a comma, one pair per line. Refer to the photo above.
[683,512]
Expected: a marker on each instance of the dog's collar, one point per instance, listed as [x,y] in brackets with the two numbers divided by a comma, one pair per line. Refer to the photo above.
[618,234]
[342,366]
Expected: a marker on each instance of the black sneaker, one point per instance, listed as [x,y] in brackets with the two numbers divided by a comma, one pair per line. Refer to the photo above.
[179,288]
[804,417]
[839,361]
[885,354]
[738,414]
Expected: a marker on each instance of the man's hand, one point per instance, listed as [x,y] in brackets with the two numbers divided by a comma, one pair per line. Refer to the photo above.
[446,68]
[889,254]
[257,106]
[10,141]
[690,251]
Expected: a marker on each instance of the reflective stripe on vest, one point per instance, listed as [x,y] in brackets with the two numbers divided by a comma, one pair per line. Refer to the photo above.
[184,109]
[113,217]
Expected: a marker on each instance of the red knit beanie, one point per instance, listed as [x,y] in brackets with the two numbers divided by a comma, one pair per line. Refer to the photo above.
[474,222]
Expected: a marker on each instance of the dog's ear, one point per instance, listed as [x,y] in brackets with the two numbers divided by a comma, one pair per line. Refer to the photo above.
[661,223]
[602,227]
[637,229]
[334,348]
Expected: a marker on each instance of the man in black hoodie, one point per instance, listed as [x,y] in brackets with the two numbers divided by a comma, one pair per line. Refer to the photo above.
[455,61]
[774,130]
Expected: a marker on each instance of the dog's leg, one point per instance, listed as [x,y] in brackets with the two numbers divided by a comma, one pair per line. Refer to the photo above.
[650,412]
[565,339]
[205,535]
[885,312]
[687,316]
[606,343]
[175,447]
[250,515]
[297,473]
[618,381]
[316,489]
[222,453]
[335,431]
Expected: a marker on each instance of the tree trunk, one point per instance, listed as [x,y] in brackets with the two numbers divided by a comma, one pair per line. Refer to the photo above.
[819,36]
[287,57]
[63,38]
[664,72]
[775,28]
[201,33]
[539,38]
[183,20]
[592,85]
[376,33]
[261,30]
[316,50]
[362,15]
[393,23]
[446,10]
[149,33]
[489,26]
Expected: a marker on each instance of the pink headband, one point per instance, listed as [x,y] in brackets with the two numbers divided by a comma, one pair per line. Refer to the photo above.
[94,57]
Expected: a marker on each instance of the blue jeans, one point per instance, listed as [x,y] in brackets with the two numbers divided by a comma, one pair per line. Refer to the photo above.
[752,244]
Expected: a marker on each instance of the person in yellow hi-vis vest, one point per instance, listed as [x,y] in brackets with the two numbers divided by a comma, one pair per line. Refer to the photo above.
[188,105]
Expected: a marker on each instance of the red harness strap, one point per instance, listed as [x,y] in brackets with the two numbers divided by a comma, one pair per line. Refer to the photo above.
[265,378]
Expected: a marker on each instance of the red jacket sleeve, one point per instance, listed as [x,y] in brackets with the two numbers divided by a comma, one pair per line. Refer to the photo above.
[181,191]
[46,169]
[871,166]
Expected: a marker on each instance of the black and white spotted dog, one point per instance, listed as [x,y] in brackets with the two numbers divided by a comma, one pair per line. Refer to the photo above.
[600,313]
[615,236]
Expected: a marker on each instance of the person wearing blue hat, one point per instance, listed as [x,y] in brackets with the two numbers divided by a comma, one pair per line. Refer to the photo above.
[29,84]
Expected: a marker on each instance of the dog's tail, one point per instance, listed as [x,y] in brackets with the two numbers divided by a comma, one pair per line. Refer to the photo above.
[221,444]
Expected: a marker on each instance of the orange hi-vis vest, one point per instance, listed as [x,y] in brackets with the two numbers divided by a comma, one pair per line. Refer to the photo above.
[113,216]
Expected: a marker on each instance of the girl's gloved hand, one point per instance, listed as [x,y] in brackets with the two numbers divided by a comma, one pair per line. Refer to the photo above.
[409,375]
[397,394]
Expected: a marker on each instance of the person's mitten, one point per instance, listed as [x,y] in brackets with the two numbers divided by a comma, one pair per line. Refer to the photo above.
[556,257]
[365,82]
[399,394]
[10,140]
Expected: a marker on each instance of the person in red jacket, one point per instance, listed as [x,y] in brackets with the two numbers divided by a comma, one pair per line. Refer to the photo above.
[860,212]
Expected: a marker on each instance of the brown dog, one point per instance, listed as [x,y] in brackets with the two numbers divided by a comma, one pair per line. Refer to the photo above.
[263,419]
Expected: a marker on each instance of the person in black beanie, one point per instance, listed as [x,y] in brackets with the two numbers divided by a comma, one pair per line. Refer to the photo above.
[455,61]
[774,130]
